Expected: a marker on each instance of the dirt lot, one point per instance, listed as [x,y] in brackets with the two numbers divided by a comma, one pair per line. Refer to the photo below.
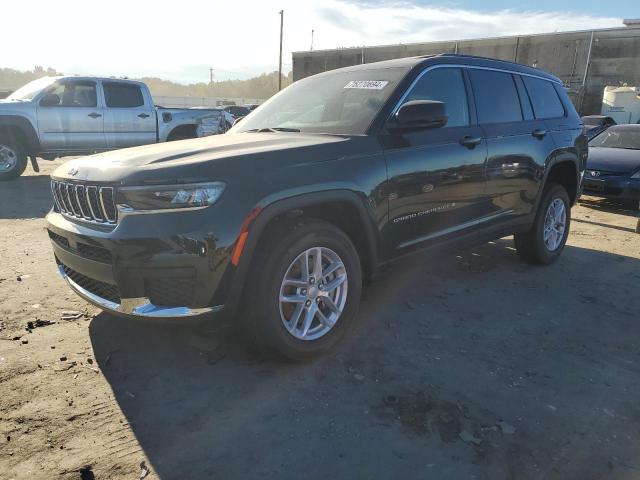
[465,365]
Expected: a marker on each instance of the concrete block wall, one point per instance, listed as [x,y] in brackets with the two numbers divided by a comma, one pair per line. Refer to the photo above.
[614,58]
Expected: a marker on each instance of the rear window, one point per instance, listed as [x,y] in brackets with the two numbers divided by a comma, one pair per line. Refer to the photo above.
[496,96]
[545,100]
[122,95]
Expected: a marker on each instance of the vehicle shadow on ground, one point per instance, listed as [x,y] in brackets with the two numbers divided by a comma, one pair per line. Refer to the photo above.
[25,197]
[479,336]
[608,206]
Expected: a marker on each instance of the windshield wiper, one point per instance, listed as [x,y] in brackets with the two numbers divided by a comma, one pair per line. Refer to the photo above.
[274,129]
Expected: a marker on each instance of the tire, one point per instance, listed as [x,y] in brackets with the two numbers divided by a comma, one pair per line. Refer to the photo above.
[282,254]
[531,245]
[13,159]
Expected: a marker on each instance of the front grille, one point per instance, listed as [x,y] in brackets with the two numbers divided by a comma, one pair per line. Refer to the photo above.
[91,252]
[87,202]
[101,289]
[170,292]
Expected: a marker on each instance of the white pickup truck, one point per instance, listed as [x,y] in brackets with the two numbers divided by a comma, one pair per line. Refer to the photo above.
[59,116]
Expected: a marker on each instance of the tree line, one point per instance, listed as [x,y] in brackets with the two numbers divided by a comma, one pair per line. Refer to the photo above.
[262,86]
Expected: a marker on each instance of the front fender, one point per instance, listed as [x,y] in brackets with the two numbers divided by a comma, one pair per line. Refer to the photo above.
[270,208]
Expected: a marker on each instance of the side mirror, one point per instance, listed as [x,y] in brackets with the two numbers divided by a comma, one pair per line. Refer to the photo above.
[419,115]
[50,100]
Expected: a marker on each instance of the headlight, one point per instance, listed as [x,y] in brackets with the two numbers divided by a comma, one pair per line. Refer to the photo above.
[636,175]
[169,197]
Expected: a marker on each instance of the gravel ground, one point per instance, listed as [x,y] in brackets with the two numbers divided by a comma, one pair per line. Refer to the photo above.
[467,364]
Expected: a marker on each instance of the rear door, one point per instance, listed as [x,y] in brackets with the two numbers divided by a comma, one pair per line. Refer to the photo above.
[74,122]
[436,177]
[518,143]
[129,115]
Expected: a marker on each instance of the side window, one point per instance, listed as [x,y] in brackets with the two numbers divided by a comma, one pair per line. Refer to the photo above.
[544,98]
[122,95]
[444,85]
[496,96]
[71,94]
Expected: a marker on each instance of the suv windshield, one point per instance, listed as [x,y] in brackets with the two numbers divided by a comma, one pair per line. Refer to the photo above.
[31,89]
[626,137]
[335,103]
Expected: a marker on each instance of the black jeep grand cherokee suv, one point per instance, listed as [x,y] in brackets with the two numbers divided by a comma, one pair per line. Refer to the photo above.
[287,213]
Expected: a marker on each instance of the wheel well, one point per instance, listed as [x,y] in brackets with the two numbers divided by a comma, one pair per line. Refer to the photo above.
[183,131]
[343,215]
[15,134]
[565,174]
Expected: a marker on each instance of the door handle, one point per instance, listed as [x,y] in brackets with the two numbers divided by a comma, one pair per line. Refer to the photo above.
[469,141]
[94,115]
[143,115]
[539,133]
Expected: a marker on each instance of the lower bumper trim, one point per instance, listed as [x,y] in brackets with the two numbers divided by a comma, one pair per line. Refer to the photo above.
[137,307]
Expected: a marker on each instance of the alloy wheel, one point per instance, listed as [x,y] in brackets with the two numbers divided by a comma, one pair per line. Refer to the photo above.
[313,293]
[8,159]
[555,223]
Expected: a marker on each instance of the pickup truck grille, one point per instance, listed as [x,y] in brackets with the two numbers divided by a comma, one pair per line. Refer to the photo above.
[91,203]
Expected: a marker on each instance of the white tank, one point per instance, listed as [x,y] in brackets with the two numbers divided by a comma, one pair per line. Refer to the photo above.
[622,104]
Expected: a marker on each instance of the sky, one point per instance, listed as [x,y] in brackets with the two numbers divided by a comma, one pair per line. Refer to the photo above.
[180,41]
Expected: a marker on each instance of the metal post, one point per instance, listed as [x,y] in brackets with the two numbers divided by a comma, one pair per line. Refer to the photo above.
[586,70]
[280,62]
[311,49]
[515,50]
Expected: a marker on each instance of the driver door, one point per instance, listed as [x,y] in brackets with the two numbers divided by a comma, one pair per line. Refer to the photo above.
[436,176]
[70,117]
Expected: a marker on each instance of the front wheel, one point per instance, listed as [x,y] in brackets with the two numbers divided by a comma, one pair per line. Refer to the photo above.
[13,160]
[546,239]
[304,291]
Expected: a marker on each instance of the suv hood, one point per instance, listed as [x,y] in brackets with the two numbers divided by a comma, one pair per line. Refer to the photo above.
[618,160]
[193,160]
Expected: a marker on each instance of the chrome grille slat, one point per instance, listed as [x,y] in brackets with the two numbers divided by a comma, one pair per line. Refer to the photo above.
[84,211]
[94,203]
[90,203]
[56,200]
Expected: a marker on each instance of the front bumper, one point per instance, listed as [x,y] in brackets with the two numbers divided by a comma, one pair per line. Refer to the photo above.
[170,268]
[137,307]
[622,187]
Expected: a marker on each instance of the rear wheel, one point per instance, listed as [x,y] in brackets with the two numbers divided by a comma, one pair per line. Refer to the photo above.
[544,242]
[13,160]
[304,290]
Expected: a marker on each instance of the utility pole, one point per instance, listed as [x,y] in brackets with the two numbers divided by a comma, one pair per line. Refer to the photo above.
[210,75]
[312,40]
[280,62]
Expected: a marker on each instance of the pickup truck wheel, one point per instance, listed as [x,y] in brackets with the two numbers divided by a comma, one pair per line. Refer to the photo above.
[13,160]
[305,290]
[544,243]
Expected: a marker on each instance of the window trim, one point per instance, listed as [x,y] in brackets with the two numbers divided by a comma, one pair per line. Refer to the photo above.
[401,102]
[64,82]
[104,92]
[533,108]
[471,110]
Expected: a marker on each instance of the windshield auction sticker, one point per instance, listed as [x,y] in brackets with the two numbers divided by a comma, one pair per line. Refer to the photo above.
[367,84]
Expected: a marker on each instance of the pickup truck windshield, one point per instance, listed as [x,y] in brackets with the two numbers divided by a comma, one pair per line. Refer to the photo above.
[334,103]
[31,89]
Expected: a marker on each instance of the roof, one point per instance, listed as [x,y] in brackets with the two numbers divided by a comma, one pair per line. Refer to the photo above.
[450,58]
[101,79]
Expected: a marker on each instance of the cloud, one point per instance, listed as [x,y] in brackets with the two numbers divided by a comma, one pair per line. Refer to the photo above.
[239,38]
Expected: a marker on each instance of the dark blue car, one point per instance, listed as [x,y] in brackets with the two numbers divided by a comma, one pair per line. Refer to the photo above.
[613,167]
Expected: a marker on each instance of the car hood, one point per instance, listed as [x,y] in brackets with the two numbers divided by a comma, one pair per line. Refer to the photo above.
[619,160]
[202,158]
